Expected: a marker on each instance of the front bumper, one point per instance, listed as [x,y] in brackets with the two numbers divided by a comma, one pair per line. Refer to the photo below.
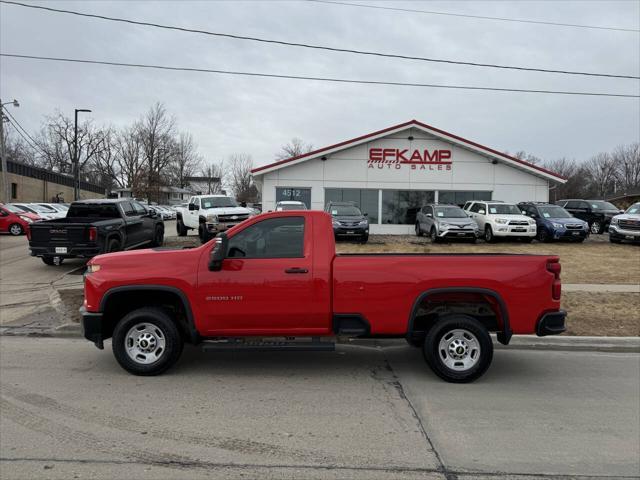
[92,327]
[458,233]
[622,234]
[511,231]
[551,323]
[565,234]
[358,231]
[215,228]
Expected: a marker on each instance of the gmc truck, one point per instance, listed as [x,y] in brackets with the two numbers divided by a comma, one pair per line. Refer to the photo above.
[276,282]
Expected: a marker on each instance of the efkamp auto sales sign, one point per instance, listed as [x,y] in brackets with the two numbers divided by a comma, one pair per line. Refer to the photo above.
[394,158]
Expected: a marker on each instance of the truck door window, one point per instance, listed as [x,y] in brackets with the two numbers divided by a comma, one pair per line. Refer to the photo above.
[127,209]
[272,238]
[139,209]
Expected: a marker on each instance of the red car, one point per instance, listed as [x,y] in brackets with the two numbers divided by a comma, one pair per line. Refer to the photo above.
[278,275]
[15,220]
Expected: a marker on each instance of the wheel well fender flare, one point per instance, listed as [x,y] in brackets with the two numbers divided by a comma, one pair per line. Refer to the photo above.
[191,327]
[202,219]
[503,337]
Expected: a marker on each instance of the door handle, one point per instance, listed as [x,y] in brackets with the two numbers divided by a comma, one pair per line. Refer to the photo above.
[296,270]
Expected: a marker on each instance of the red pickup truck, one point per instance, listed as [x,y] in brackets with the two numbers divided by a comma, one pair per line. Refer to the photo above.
[275,282]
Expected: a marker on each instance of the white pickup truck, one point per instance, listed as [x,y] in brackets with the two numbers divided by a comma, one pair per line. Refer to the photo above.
[210,214]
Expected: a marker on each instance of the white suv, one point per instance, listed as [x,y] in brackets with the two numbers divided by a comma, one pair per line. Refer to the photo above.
[498,219]
[210,214]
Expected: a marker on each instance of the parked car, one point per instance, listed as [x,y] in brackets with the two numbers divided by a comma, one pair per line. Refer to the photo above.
[171,214]
[97,226]
[445,222]
[16,221]
[501,220]
[348,221]
[43,213]
[277,275]
[597,213]
[554,223]
[210,215]
[626,227]
[161,212]
[56,212]
[290,205]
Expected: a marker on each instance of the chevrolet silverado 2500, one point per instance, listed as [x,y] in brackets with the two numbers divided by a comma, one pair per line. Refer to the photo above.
[275,282]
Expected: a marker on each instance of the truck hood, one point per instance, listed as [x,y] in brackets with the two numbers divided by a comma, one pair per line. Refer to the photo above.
[457,221]
[155,259]
[228,211]
[520,218]
[628,216]
[565,221]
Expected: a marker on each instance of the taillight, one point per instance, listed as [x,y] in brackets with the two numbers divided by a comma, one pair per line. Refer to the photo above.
[93,234]
[554,267]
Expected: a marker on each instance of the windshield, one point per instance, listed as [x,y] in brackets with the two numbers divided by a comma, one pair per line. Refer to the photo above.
[218,202]
[600,205]
[504,209]
[291,206]
[47,208]
[635,208]
[94,210]
[345,210]
[554,212]
[450,212]
[14,209]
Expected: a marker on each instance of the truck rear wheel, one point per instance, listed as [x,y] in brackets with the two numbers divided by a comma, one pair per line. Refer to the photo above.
[147,341]
[458,349]
[113,245]
[180,228]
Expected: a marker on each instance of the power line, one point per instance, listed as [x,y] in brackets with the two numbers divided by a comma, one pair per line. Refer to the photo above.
[319,79]
[318,47]
[19,127]
[480,17]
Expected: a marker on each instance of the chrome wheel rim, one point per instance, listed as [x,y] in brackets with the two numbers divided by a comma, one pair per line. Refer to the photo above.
[595,227]
[15,229]
[459,350]
[145,343]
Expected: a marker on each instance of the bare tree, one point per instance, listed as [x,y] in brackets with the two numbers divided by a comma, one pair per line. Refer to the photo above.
[103,168]
[17,150]
[293,149]
[627,161]
[240,178]
[601,171]
[527,157]
[210,172]
[156,130]
[186,161]
[129,157]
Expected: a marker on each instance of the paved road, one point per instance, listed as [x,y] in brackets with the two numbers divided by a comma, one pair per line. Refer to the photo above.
[25,282]
[69,411]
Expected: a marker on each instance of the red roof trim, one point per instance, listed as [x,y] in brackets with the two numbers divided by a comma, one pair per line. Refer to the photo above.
[407,124]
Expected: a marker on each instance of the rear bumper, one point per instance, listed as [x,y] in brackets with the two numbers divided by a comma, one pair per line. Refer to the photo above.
[551,323]
[92,327]
[84,251]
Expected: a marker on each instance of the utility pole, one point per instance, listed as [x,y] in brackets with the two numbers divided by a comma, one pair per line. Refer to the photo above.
[76,160]
[6,193]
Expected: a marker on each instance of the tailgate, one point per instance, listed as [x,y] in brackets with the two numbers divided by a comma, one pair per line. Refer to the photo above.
[59,234]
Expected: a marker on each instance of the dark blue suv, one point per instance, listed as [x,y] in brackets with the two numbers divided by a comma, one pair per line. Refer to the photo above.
[554,222]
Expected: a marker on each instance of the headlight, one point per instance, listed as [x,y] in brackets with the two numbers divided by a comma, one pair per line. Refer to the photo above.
[363,222]
[501,220]
[532,222]
[557,225]
[335,223]
[614,221]
[26,219]
[212,218]
[93,268]
[444,225]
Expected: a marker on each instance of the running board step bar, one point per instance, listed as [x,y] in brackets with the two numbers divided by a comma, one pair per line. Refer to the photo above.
[264,345]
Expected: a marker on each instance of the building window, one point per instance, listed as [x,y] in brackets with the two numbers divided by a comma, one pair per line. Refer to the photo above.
[459,197]
[14,190]
[399,207]
[294,194]
[365,200]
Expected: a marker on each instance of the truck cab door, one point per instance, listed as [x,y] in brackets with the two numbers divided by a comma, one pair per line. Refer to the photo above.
[193,211]
[266,284]
[133,225]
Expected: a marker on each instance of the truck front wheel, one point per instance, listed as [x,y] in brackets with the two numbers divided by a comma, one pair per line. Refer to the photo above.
[458,349]
[147,341]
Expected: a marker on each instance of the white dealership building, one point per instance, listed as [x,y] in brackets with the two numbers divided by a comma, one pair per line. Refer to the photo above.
[393,172]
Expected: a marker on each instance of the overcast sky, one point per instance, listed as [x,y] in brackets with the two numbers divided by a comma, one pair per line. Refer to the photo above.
[229,114]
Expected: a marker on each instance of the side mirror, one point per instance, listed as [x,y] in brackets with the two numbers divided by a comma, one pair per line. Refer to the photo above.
[218,252]
[192,206]
[524,212]
[152,213]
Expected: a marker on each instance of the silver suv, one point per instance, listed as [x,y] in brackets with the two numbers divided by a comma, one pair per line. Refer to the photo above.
[441,221]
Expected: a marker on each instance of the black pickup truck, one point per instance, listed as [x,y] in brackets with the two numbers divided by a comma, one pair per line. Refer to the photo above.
[92,227]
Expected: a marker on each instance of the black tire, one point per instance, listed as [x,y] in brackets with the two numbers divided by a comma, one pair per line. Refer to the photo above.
[52,260]
[418,230]
[162,328]
[614,240]
[158,237]
[202,233]
[364,239]
[433,235]
[596,227]
[113,245]
[180,228]
[543,235]
[15,229]
[488,234]
[458,324]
